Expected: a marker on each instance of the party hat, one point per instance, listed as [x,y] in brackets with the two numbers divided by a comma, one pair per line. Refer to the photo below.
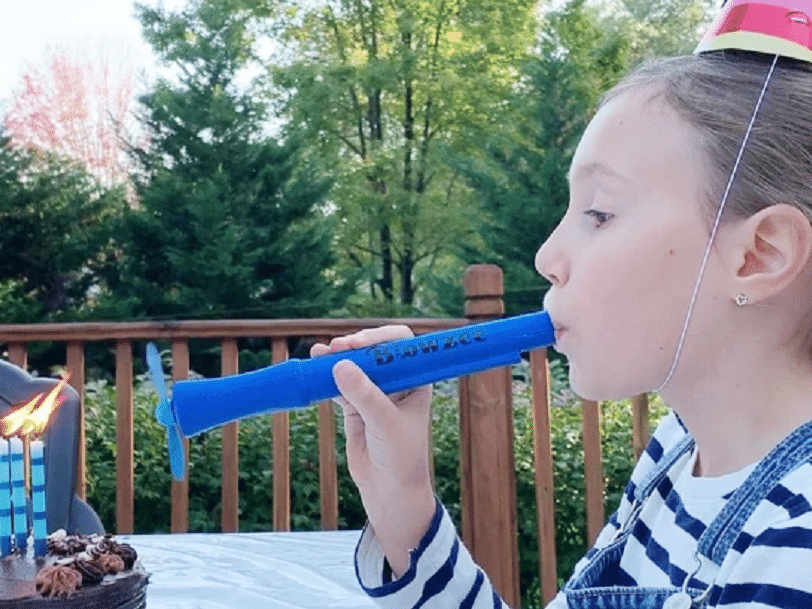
[781,28]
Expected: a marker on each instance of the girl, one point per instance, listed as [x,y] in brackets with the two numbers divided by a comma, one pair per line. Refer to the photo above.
[683,265]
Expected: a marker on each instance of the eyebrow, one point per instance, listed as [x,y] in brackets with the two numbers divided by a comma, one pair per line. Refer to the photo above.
[596,167]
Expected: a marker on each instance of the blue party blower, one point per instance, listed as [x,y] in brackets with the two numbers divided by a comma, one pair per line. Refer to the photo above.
[199,405]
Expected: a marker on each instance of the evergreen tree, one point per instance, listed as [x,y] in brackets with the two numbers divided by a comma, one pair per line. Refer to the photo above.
[54,227]
[229,221]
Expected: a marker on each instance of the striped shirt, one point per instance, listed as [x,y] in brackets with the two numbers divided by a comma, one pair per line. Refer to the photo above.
[770,565]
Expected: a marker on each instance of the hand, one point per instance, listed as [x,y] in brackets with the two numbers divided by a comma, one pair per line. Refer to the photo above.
[387,448]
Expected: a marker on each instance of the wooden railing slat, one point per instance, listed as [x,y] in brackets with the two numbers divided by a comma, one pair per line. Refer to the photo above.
[640,424]
[180,489]
[328,463]
[281,454]
[18,355]
[545,489]
[492,491]
[230,460]
[486,443]
[328,467]
[75,352]
[125,484]
[593,469]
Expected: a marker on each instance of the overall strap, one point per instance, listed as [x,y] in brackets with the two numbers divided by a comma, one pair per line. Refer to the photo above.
[722,533]
[664,465]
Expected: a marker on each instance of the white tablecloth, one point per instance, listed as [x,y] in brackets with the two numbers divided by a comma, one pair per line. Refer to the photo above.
[304,570]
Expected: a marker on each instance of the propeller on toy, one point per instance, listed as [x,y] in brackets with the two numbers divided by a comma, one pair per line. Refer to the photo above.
[163,413]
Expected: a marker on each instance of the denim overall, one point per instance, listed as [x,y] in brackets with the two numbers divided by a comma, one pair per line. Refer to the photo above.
[593,587]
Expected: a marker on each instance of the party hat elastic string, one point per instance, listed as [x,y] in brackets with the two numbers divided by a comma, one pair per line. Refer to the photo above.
[715,228]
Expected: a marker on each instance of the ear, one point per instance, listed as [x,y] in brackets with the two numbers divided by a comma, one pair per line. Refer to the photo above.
[771,248]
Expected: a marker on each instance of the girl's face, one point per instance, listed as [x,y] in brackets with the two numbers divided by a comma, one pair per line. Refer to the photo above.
[624,260]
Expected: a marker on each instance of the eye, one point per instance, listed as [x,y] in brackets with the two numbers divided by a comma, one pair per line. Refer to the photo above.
[599,217]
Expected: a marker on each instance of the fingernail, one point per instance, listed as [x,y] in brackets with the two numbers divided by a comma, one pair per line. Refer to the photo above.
[345,368]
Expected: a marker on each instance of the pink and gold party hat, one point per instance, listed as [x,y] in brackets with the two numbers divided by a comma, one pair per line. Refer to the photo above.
[781,28]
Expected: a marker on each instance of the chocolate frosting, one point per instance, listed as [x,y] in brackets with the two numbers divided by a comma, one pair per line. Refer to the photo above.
[91,572]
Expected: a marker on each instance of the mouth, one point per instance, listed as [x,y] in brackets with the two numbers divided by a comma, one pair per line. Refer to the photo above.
[560,330]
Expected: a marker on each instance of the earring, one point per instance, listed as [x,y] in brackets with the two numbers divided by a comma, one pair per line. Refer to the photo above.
[741,299]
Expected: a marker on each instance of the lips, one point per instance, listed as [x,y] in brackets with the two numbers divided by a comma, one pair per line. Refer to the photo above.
[558,328]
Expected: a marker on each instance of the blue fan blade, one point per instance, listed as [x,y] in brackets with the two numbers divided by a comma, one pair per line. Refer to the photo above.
[156,370]
[176,456]
[163,413]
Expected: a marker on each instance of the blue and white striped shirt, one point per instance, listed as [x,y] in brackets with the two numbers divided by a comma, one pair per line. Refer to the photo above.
[770,565]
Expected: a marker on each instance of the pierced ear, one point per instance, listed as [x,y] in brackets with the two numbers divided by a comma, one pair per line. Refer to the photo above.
[775,246]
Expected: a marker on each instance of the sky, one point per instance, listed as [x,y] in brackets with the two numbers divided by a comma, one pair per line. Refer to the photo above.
[32,30]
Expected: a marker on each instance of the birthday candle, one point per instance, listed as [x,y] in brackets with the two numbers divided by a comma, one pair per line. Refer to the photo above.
[18,493]
[5,499]
[38,497]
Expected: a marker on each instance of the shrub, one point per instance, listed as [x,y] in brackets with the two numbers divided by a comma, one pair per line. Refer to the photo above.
[152,477]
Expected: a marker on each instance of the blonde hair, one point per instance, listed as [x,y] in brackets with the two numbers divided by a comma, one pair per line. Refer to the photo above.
[715,93]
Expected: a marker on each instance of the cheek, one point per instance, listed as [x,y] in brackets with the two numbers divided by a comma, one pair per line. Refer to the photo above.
[634,301]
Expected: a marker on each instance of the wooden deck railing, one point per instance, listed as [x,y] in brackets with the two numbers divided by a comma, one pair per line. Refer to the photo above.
[486,428]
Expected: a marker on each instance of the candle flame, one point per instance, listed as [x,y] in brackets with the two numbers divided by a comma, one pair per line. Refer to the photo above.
[32,418]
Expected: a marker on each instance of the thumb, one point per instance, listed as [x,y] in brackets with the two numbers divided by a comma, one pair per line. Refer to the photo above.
[367,398]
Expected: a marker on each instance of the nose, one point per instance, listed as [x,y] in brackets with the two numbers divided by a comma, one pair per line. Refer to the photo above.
[552,262]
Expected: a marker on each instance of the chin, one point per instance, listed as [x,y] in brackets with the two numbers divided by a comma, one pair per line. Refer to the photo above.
[596,391]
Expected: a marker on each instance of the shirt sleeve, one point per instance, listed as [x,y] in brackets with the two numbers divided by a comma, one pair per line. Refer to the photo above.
[441,575]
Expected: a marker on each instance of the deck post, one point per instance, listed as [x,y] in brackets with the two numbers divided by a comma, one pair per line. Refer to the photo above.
[486,449]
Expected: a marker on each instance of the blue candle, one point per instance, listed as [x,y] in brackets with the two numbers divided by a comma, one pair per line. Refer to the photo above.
[18,494]
[38,497]
[5,499]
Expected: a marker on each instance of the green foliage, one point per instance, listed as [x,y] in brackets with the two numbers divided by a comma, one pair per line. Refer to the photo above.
[152,477]
[583,49]
[661,28]
[229,222]
[521,178]
[54,225]
[381,88]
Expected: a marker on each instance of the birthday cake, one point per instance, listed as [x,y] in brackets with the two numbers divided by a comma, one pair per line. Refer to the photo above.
[93,572]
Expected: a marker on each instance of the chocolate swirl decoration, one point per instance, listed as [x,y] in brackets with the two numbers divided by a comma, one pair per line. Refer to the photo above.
[57,547]
[126,552]
[61,544]
[57,580]
[111,563]
[76,545]
[91,573]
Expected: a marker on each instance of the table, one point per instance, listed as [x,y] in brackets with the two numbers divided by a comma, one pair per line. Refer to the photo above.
[299,570]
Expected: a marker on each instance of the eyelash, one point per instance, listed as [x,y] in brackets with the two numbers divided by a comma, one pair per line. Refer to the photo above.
[600,217]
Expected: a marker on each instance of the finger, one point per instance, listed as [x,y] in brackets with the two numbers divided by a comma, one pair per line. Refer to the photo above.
[370,336]
[319,349]
[363,395]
